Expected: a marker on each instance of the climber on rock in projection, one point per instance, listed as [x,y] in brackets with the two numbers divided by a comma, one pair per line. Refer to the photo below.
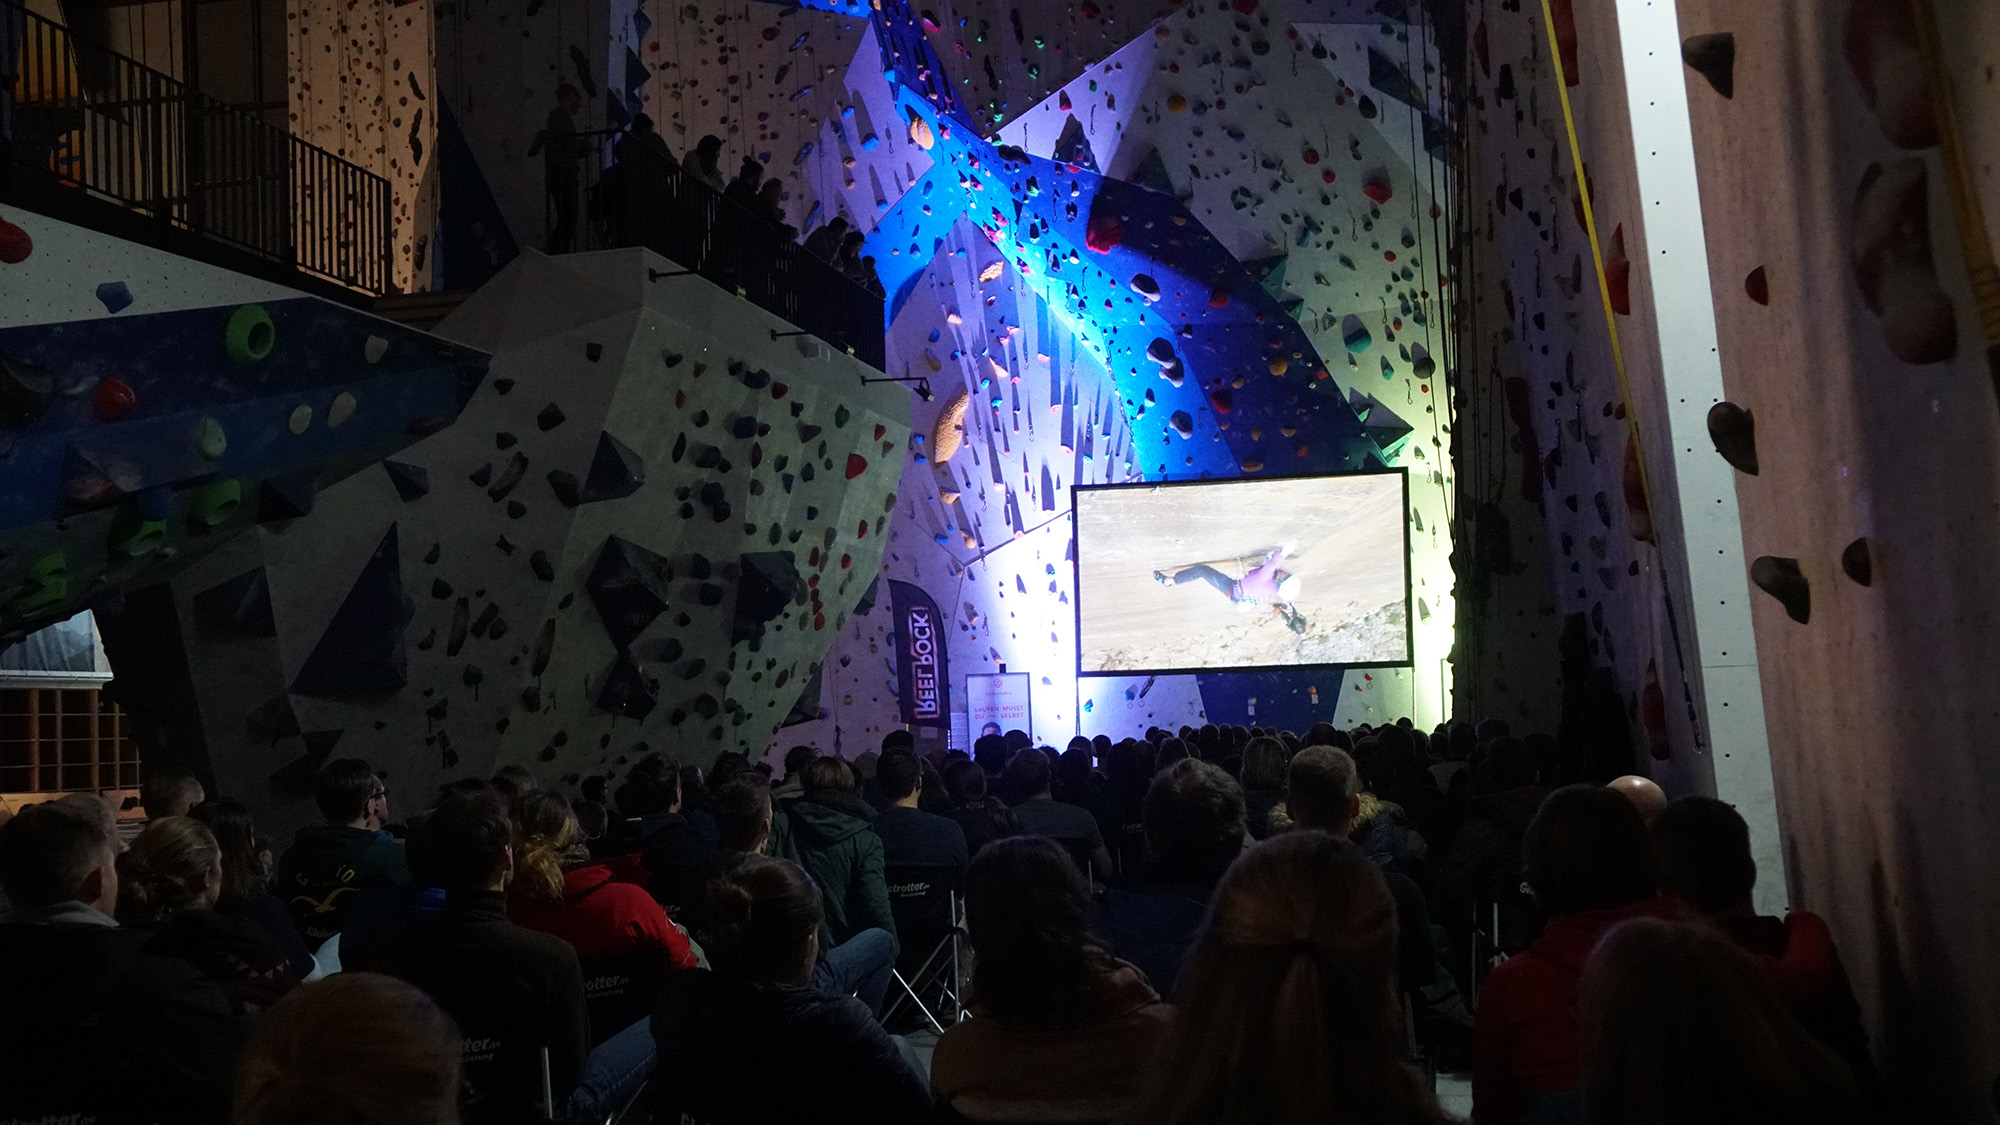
[1266,585]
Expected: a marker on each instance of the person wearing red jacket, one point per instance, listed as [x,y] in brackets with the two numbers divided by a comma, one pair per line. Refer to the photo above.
[1591,866]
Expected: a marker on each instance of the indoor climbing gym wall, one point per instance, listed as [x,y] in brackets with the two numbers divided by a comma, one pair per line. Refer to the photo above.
[643,533]
[362,80]
[1847,215]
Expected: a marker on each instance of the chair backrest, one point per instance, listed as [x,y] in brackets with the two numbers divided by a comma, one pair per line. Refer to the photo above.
[920,899]
[502,1073]
[621,991]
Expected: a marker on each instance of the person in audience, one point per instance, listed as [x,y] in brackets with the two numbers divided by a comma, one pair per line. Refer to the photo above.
[849,262]
[743,190]
[168,793]
[514,782]
[246,879]
[1031,778]
[1060,1029]
[743,819]
[794,784]
[642,145]
[1484,867]
[354,1049]
[515,990]
[1381,827]
[1706,867]
[559,890]
[694,802]
[1591,866]
[168,883]
[911,837]
[771,205]
[836,1066]
[1679,1025]
[824,243]
[990,752]
[652,824]
[983,818]
[870,278]
[1288,1010]
[328,864]
[704,161]
[1263,783]
[832,836]
[1078,783]
[1194,830]
[96,1026]
[1399,773]
[1643,792]
[385,908]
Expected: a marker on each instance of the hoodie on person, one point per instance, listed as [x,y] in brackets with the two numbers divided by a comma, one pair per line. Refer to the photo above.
[326,866]
[831,835]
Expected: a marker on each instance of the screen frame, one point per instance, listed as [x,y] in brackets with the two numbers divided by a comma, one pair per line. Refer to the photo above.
[1076,574]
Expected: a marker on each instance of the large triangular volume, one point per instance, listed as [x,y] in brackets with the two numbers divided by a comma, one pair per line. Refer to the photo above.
[1072,147]
[769,582]
[287,497]
[241,605]
[629,588]
[616,471]
[624,691]
[361,650]
[1152,174]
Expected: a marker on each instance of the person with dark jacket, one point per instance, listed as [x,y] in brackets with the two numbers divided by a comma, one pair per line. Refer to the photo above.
[1263,780]
[97,1027]
[328,864]
[652,825]
[512,991]
[832,836]
[1706,867]
[719,1031]
[168,883]
[246,879]
[1030,777]
[1194,830]
[1485,863]
[910,836]
[982,817]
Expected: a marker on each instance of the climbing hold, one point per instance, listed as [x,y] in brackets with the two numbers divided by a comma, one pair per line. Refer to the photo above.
[1858,562]
[1635,495]
[1758,286]
[1377,187]
[856,465]
[25,391]
[1618,273]
[250,335]
[361,650]
[301,419]
[114,399]
[1714,58]
[1183,423]
[340,410]
[550,417]
[241,605]
[1893,265]
[1145,286]
[1883,53]
[412,481]
[375,347]
[1782,579]
[1734,432]
[115,296]
[1279,365]
[287,497]
[1104,230]
[1354,333]
[215,504]
[15,245]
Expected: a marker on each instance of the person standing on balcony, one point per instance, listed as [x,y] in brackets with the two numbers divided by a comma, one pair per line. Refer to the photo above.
[704,161]
[562,159]
[744,188]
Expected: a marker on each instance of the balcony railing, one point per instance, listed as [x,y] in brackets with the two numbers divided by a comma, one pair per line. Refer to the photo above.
[654,204]
[78,117]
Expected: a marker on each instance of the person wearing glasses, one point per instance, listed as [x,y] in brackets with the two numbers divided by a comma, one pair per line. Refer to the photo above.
[329,864]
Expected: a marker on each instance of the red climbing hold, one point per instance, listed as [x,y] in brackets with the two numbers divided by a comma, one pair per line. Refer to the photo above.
[1565,28]
[1758,286]
[856,465]
[1221,401]
[880,429]
[1218,298]
[1618,274]
[846,561]
[15,245]
[1311,155]
[1104,230]
[1244,6]
[863,532]
[779,390]
[114,400]
[1376,187]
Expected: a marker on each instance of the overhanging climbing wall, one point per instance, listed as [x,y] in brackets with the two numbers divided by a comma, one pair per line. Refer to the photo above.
[643,534]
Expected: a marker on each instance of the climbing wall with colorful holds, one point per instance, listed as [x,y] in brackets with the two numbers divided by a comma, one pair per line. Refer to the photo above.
[644,533]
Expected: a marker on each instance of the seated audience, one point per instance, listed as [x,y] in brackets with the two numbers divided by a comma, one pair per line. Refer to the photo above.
[1706,867]
[328,864]
[512,989]
[558,890]
[1681,1026]
[982,817]
[96,1026]
[911,837]
[1401,776]
[354,1049]
[1031,778]
[1263,783]
[169,792]
[990,752]
[1591,866]
[168,884]
[1078,783]
[246,879]
[833,838]
[1289,1011]
[1194,830]
[1060,1029]
[719,1032]
[1484,865]
[652,825]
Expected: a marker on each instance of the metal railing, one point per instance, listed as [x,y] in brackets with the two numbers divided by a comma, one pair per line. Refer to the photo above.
[81,117]
[648,201]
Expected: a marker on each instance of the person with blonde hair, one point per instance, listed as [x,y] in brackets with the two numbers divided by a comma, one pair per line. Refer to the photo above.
[1680,1026]
[169,882]
[354,1049]
[1287,1010]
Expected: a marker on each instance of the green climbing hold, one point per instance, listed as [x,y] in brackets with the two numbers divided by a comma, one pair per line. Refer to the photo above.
[43,587]
[209,438]
[213,505]
[840,416]
[132,534]
[250,336]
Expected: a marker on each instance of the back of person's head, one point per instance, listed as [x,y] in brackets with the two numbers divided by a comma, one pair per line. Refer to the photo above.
[709,146]
[172,866]
[1401,744]
[1511,763]
[57,851]
[1017,739]
[899,739]
[465,840]
[694,788]
[1320,786]
[990,751]
[1100,747]
[829,774]
[797,758]
[1679,1025]
[864,765]
[642,123]
[750,171]
[1193,816]
[1027,773]
[899,774]
[1320,734]
[1287,1009]
[1490,729]
[1171,750]
[1587,849]
[837,224]
[546,833]
[763,914]
[1264,764]
[1704,849]
[353,1048]
[965,782]
[342,789]
[1073,767]
[244,874]
[652,786]
[1374,761]
[513,781]
[742,810]
[726,765]
[169,792]
[1029,913]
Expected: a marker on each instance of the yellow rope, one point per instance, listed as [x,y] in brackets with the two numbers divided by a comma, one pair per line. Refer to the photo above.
[1603,283]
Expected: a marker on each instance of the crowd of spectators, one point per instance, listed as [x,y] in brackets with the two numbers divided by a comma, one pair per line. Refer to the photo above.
[1210,925]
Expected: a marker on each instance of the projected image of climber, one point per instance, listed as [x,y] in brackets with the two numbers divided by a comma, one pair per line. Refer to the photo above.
[1242,574]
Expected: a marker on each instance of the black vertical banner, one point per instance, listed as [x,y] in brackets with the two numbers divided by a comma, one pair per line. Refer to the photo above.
[923,679]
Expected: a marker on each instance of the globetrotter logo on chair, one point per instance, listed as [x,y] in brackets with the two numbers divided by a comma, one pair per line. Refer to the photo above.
[921,657]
